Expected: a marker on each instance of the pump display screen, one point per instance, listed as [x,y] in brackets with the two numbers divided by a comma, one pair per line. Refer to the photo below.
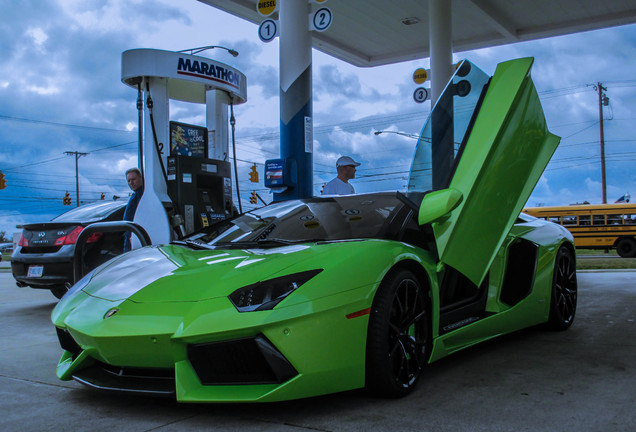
[188,140]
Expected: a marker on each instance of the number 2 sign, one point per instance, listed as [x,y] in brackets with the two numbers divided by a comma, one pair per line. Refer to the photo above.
[320,20]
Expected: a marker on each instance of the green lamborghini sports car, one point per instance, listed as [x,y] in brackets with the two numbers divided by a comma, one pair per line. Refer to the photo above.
[320,295]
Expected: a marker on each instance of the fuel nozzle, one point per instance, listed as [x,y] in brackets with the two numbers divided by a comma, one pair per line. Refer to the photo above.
[177,224]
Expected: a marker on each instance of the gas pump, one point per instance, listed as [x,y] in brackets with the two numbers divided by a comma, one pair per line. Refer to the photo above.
[200,189]
[185,167]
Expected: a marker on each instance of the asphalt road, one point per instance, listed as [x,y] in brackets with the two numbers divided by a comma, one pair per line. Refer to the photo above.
[583,379]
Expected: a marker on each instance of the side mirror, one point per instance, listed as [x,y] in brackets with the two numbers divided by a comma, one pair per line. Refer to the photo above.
[436,205]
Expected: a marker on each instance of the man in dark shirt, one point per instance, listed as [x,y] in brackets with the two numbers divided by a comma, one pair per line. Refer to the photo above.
[136,183]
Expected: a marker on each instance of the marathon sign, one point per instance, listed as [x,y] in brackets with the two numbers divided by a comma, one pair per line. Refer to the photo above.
[211,71]
[187,77]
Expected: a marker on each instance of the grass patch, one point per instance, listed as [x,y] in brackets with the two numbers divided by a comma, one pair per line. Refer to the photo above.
[597,252]
[608,261]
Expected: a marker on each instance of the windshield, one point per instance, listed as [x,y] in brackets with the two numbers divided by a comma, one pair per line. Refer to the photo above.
[90,212]
[447,130]
[313,219]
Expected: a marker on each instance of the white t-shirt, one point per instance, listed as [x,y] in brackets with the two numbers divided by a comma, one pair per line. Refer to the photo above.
[338,187]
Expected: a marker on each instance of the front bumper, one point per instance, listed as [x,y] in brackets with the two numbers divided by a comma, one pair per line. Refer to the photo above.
[249,361]
[209,352]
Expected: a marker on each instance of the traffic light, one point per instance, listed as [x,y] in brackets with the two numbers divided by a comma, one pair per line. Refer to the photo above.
[103,197]
[254,174]
[67,199]
[3,182]
[253,198]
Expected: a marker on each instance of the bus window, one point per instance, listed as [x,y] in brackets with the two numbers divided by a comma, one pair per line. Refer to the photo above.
[569,220]
[592,232]
[598,219]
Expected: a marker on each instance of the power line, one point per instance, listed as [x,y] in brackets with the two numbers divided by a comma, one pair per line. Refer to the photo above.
[33,164]
[56,159]
[68,125]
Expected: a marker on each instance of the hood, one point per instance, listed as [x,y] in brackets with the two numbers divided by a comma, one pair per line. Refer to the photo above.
[177,274]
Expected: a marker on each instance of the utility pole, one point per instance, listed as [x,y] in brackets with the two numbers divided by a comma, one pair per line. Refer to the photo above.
[603,100]
[77,156]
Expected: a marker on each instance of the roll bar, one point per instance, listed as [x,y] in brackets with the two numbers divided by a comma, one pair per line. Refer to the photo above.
[115,226]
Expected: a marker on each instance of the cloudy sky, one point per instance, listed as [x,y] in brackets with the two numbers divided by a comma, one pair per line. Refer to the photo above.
[61,91]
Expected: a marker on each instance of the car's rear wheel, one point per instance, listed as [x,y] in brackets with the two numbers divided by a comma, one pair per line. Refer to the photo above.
[59,291]
[398,336]
[626,248]
[564,291]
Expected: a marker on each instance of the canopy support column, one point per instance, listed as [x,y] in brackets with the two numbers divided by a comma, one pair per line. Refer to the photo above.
[296,123]
[441,46]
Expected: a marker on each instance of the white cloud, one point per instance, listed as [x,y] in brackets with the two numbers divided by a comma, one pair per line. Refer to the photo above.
[37,35]
[51,90]
[124,163]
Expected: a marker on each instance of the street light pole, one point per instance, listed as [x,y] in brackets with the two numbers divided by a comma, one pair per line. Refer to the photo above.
[197,50]
[77,156]
[408,135]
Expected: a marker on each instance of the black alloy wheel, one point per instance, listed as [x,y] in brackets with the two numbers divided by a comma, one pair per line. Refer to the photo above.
[564,291]
[398,337]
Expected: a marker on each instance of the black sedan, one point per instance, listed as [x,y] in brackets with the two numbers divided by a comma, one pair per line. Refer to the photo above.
[44,255]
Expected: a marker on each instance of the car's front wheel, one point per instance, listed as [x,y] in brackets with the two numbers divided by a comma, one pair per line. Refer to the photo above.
[564,291]
[398,337]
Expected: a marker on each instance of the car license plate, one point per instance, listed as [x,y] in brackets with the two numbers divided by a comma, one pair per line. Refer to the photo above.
[35,271]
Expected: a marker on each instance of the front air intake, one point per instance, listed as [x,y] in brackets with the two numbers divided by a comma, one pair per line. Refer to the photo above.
[242,361]
[67,342]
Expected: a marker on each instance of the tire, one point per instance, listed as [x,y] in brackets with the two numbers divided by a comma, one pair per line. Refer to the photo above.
[564,291]
[398,337]
[58,291]
[626,248]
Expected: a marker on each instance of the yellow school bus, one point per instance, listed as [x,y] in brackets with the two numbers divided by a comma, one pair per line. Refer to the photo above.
[595,226]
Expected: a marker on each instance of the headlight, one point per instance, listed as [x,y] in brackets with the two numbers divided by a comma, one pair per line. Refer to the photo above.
[79,285]
[267,294]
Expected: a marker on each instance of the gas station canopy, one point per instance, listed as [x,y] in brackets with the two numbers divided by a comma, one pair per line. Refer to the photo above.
[369,33]
[377,32]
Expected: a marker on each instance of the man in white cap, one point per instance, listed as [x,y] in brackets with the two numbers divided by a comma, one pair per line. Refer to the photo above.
[346,171]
